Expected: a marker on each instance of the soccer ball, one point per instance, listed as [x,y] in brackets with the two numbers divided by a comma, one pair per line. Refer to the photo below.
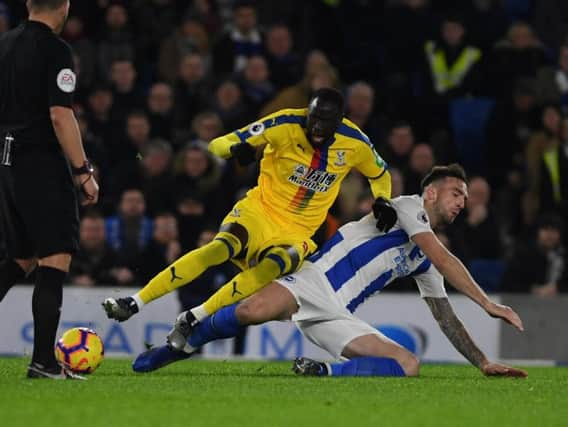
[80,350]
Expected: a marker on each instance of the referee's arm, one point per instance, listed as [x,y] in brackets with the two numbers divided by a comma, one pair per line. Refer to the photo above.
[68,134]
[61,85]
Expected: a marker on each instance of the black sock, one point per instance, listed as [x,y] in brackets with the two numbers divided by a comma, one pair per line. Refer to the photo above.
[10,273]
[46,307]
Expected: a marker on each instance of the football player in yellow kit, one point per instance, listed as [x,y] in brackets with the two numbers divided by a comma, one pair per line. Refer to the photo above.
[268,233]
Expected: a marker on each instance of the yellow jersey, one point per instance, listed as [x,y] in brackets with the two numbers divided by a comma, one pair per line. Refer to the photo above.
[299,182]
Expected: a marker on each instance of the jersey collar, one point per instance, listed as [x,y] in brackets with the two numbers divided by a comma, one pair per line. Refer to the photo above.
[39,25]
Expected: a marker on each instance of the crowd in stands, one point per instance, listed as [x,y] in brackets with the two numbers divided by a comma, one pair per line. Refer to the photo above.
[480,82]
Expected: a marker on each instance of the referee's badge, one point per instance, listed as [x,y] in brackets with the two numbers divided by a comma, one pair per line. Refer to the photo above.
[66,80]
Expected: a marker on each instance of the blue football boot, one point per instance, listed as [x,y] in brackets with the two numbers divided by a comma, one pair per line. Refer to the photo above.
[156,358]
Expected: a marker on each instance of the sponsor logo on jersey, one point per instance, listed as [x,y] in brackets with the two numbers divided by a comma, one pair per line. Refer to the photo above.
[289,279]
[236,213]
[422,217]
[340,159]
[401,263]
[66,80]
[312,179]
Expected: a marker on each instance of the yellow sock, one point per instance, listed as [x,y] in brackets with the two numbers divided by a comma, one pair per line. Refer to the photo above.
[190,266]
[241,286]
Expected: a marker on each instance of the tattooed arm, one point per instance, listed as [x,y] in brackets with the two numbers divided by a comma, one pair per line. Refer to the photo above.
[454,329]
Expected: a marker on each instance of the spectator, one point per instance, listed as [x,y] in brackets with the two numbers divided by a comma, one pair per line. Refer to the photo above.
[230,105]
[408,24]
[487,23]
[548,185]
[552,83]
[153,20]
[94,146]
[207,12]
[94,261]
[397,182]
[509,127]
[84,48]
[160,107]
[255,83]
[205,127]
[452,71]
[284,64]
[151,173]
[162,250]
[125,93]
[137,130]
[520,54]
[196,188]
[539,267]
[190,38]
[99,113]
[400,141]
[318,74]
[128,233]
[240,42]
[116,39]
[453,64]
[420,162]
[359,105]
[478,226]
[192,92]
[541,160]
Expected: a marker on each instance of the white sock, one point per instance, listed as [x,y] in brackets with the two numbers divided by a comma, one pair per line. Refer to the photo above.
[138,300]
[199,312]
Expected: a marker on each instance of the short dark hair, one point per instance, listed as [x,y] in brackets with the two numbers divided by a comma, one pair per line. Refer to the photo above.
[93,214]
[331,96]
[244,3]
[550,221]
[46,4]
[440,172]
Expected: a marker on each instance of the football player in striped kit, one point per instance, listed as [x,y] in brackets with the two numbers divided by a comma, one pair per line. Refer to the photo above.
[355,263]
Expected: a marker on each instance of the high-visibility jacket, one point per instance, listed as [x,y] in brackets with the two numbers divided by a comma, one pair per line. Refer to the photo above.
[444,77]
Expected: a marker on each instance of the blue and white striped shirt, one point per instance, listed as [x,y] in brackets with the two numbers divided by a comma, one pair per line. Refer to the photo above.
[359,261]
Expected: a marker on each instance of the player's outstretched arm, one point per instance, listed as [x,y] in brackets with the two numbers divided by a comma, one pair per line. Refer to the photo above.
[456,273]
[454,329]
[221,146]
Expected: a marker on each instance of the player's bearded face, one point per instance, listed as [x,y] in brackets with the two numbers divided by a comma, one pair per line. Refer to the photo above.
[451,199]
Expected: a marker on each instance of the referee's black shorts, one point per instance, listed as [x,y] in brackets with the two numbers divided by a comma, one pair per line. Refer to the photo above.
[38,206]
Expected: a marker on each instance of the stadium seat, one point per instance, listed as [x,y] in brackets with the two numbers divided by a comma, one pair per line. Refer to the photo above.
[468,118]
[487,272]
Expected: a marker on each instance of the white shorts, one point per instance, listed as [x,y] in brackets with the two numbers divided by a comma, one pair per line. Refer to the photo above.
[320,316]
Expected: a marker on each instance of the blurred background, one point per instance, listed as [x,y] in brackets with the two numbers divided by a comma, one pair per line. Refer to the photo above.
[480,82]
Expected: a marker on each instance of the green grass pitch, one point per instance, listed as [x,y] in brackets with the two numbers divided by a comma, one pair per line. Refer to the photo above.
[227,393]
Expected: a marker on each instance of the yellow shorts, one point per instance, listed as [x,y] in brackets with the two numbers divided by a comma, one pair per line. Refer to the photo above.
[264,231]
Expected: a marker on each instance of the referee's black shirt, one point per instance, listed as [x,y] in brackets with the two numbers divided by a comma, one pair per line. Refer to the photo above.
[36,73]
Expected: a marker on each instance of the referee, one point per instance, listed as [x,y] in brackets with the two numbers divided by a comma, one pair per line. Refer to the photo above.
[42,165]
